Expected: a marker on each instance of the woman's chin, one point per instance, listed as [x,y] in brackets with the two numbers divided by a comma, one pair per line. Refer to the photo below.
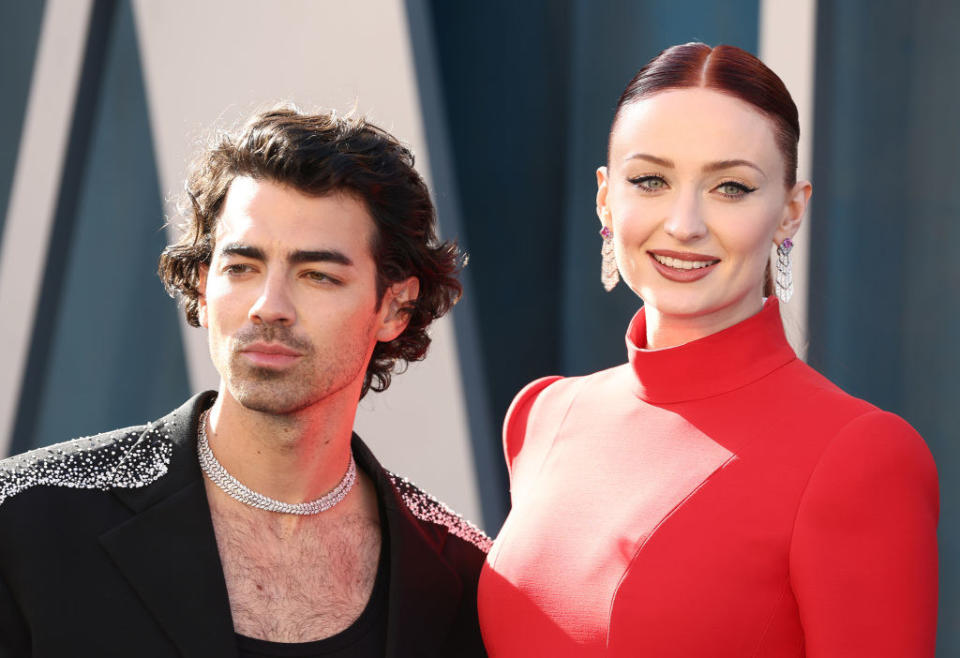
[686,305]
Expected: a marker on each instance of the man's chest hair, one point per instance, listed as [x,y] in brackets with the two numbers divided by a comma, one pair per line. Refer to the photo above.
[297,584]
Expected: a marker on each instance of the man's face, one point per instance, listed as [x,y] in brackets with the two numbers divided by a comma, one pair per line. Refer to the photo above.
[289,298]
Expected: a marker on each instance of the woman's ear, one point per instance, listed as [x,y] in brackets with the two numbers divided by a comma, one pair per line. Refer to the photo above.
[793,212]
[603,213]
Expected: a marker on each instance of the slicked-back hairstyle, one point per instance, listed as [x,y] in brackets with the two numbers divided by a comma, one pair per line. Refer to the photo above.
[729,70]
[320,154]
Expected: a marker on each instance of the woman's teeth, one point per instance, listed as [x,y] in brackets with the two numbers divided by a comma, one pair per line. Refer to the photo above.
[683,264]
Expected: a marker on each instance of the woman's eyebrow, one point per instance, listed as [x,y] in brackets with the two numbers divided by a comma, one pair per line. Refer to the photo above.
[663,162]
[727,164]
[708,168]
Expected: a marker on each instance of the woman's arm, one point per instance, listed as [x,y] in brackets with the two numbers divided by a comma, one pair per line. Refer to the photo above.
[863,558]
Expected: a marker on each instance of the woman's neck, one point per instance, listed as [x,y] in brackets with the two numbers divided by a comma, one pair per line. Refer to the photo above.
[671,329]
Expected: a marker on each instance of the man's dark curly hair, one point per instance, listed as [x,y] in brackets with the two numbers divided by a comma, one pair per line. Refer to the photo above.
[320,154]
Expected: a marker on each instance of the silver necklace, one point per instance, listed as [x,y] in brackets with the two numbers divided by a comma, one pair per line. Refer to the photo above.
[238,491]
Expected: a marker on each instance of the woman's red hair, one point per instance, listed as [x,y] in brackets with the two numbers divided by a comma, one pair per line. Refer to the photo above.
[729,70]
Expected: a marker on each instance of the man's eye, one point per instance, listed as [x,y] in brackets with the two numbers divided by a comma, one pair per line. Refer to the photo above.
[321,277]
[649,183]
[237,268]
[734,189]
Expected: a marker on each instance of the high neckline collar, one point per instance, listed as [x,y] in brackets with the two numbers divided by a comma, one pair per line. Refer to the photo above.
[711,365]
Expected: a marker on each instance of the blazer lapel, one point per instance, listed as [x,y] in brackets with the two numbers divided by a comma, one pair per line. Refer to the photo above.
[168,550]
[424,594]
[425,591]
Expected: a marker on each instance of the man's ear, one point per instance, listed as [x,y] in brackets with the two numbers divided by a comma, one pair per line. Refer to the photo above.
[396,301]
[202,272]
[796,207]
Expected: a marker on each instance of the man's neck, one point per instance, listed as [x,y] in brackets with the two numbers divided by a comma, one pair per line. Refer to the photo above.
[294,457]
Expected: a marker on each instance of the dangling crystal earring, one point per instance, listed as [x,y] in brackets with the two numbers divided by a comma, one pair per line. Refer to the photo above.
[609,274]
[784,283]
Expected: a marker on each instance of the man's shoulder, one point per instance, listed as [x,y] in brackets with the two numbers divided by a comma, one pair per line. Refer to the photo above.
[430,510]
[128,457]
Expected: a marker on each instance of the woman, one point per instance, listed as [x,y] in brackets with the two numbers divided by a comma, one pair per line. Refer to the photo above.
[714,496]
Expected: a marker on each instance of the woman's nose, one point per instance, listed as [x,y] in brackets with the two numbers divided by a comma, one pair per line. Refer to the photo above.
[685,222]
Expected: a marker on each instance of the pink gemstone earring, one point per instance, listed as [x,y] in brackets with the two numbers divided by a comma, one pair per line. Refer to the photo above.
[609,274]
[784,282]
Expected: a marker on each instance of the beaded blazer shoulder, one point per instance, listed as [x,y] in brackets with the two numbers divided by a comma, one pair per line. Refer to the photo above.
[128,458]
[137,456]
[427,508]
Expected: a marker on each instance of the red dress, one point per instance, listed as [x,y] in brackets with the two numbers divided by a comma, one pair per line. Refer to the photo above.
[715,499]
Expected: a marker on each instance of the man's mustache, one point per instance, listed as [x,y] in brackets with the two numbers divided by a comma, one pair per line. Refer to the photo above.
[268,333]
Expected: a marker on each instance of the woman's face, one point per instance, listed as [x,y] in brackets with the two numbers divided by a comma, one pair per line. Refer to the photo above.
[695,195]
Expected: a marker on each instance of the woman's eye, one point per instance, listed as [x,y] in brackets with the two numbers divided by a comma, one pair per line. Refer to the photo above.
[649,183]
[734,189]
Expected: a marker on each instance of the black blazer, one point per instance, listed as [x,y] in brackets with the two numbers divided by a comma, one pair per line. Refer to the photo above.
[107,549]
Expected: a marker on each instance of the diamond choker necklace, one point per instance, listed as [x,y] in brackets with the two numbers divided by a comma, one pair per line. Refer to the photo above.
[236,489]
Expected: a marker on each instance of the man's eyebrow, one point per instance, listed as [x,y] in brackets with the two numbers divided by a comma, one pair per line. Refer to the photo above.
[245,250]
[319,256]
[294,257]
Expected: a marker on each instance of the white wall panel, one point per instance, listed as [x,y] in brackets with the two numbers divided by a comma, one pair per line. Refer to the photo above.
[788,40]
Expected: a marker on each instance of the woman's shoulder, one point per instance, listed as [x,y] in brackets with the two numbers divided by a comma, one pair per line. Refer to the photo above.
[532,395]
[540,407]
[813,395]
[848,423]
[877,446]
[536,412]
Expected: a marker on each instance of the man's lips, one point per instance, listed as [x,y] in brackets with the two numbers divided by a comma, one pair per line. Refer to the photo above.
[270,355]
[270,348]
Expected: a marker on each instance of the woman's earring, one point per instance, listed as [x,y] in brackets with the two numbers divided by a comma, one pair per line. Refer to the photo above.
[784,283]
[609,274]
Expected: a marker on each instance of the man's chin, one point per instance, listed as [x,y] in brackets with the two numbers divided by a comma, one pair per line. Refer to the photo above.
[271,397]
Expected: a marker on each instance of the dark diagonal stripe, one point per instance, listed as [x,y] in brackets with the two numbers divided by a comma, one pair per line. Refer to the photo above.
[78,147]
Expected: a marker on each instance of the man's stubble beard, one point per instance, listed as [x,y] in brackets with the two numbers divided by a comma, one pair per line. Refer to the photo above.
[318,375]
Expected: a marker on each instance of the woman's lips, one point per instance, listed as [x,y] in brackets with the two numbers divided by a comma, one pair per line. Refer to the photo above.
[682,268]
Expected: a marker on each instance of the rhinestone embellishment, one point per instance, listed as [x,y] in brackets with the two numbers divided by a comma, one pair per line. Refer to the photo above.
[122,459]
[238,491]
[427,508]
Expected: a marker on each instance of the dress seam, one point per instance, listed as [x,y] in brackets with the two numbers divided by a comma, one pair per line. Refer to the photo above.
[653,531]
[773,613]
[806,485]
[563,420]
[494,556]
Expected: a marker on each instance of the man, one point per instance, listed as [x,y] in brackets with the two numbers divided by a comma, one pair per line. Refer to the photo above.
[250,521]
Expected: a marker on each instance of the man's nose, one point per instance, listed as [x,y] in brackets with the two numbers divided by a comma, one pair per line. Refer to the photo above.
[685,222]
[274,305]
